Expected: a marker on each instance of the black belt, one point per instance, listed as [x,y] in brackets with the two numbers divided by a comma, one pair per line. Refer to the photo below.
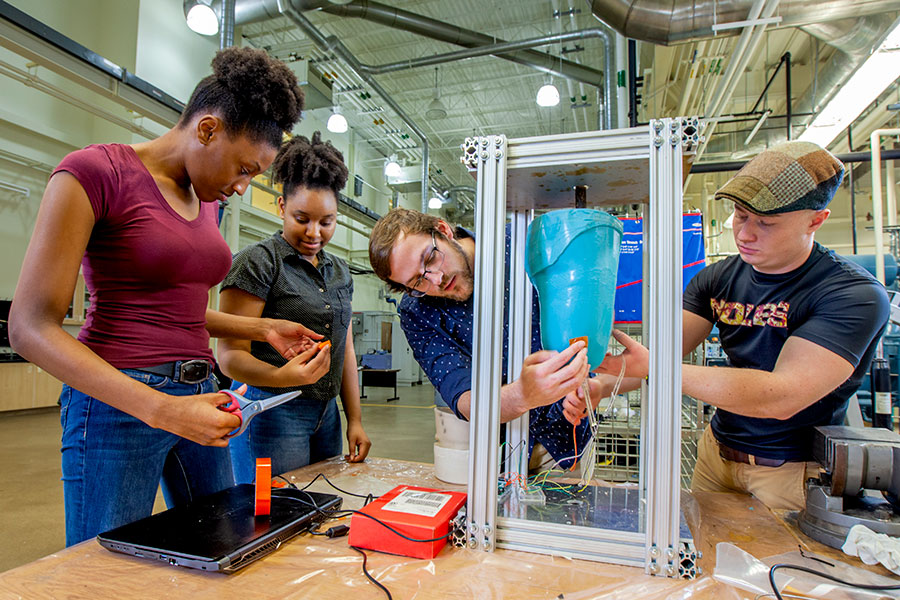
[742,457]
[182,371]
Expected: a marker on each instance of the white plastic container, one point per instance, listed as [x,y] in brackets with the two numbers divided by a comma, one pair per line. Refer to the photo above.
[451,447]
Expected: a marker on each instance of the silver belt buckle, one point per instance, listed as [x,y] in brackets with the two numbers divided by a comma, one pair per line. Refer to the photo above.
[193,371]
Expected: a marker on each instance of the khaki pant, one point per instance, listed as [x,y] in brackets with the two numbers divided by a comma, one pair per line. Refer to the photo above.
[781,487]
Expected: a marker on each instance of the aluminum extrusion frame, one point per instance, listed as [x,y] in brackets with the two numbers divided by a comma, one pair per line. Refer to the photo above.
[657,546]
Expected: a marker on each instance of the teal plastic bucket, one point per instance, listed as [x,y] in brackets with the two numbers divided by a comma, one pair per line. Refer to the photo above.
[572,257]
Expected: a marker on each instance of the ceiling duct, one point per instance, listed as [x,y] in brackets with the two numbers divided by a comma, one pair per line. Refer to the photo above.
[688,20]
[331,43]
[854,40]
[251,11]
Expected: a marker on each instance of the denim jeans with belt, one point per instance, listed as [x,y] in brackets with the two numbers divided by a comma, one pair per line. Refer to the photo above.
[294,434]
[112,462]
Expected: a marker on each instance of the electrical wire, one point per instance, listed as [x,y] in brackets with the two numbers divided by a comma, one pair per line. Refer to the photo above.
[861,586]
[369,576]
[337,514]
[368,497]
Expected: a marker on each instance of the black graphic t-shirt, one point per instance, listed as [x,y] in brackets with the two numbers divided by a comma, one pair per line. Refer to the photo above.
[829,301]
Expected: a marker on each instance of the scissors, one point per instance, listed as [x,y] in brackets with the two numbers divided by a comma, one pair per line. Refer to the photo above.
[245,409]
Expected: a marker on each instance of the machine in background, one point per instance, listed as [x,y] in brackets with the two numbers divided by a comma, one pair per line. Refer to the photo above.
[860,485]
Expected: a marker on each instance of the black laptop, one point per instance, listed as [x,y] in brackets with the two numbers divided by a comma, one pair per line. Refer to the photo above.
[219,532]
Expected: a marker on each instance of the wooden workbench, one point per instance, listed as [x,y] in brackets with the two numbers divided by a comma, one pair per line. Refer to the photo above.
[321,568]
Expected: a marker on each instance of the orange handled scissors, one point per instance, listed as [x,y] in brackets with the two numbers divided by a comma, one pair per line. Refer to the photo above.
[245,409]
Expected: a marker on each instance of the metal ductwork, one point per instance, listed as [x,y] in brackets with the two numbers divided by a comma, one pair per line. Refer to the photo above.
[331,43]
[609,111]
[685,20]
[854,39]
[251,11]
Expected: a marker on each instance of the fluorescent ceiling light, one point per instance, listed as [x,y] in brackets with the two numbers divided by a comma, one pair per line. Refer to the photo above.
[337,123]
[874,76]
[435,203]
[548,95]
[202,19]
[392,168]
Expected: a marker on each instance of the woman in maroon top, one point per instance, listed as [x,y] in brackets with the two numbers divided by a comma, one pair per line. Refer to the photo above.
[139,406]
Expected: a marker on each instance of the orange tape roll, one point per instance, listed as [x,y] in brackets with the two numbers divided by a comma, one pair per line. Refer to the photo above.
[263,486]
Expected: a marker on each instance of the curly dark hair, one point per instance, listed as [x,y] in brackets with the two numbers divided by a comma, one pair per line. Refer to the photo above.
[253,93]
[312,164]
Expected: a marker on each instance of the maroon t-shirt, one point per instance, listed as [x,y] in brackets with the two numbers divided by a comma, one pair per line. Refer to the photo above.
[148,269]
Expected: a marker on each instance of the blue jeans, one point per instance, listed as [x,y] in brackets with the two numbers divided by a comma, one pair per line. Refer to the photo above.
[293,435]
[112,462]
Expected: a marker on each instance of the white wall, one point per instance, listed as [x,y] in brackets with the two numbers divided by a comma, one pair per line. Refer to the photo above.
[168,54]
[37,129]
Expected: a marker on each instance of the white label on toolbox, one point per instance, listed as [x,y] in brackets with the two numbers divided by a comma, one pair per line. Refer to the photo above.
[427,504]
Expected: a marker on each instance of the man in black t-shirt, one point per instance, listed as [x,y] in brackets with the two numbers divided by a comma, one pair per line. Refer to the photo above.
[798,323]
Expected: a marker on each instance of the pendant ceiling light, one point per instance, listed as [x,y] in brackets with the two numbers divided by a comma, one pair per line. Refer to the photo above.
[436,108]
[548,95]
[200,17]
[392,167]
[337,123]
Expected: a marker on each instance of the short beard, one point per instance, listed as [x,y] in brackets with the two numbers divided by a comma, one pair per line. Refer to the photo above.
[464,276]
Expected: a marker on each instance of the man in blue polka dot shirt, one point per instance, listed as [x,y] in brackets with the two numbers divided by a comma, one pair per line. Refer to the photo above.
[431,262]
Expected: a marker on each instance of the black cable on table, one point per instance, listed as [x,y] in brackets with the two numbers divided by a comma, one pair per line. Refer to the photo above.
[292,485]
[861,586]
[342,513]
[369,576]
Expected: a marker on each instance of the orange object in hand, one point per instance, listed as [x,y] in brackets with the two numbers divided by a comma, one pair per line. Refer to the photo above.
[263,486]
[582,338]
[323,345]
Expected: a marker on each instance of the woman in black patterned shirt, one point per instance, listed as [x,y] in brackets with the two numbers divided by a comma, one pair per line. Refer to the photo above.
[290,275]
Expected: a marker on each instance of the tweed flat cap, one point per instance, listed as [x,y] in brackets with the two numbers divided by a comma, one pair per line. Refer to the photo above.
[787,177]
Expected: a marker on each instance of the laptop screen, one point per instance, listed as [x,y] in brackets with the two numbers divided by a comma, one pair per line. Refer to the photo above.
[219,525]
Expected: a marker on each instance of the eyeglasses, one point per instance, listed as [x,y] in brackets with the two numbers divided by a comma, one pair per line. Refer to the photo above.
[433,262]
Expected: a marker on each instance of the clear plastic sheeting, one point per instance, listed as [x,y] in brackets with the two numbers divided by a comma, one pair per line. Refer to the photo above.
[328,569]
[740,569]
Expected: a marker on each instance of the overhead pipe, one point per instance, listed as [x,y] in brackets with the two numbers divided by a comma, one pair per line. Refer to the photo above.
[749,40]
[739,58]
[692,77]
[852,183]
[499,49]
[333,44]
[735,165]
[849,25]
[251,11]
[686,20]
[854,39]
[453,191]
[891,186]
[788,101]
[226,25]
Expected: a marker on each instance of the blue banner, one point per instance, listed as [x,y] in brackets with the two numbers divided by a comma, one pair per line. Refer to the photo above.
[630,275]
